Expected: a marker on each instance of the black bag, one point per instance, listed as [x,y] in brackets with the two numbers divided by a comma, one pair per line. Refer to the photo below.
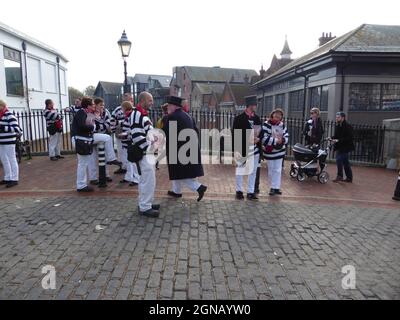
[83,147]
[135,154]
[52,129]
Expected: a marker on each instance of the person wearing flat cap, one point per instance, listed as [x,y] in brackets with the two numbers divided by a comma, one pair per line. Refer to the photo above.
[183,167]
[246,145]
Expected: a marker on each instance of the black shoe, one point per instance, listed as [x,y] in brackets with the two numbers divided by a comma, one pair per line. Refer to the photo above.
[4,182]
[348,180]
[338,179]
[150,213]
[108,179]
[277,191]
[11,184]
[133,184]
[201,190]
[124,181]
[175,195]
[155,207]
[271,192]
[53,158]
[257,192]
[251,196]
[94,182]
[115,162]
[396,198]
[59,157]
[120,171]
[85,189]
[239,195]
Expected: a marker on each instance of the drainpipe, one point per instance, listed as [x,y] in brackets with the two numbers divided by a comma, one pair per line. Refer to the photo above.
[26,76]
[59,81]
[306,78]
[27,91]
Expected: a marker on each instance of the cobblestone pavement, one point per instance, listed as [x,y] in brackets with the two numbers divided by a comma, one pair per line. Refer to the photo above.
[212,250]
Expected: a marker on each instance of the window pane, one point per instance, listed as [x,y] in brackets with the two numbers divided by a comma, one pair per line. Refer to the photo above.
[34,74]
[50,82]
[280,101]
[364,96]
[324,98]
[315,97]
[63,82]
[268,104]
[296,100]
[391,97]
[13,71]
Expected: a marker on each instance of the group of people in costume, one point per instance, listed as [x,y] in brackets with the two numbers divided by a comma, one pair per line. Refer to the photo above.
[137,155]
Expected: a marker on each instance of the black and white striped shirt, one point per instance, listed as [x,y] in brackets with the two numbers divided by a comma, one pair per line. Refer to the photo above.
[269,140]
[140,125]
[51,116]
[126,131]
[103,125]
[9,128]
[117,118]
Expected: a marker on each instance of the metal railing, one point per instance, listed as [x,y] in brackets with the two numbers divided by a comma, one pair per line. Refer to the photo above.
[368,140]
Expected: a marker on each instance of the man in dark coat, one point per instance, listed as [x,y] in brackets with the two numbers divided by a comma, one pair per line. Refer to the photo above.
[343,140]
[247,148]
[183,167]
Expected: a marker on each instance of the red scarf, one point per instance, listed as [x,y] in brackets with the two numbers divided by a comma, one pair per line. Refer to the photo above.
[141,110]
[249,113]
[2,113]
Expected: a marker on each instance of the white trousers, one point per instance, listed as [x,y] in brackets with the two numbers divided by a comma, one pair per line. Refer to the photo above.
[55,144]
[250,171]
[94,166]
[192,184]
[9,161]
[101,137]
[147,182]
[275,173]
[120,153]
[131,174]
[81,173]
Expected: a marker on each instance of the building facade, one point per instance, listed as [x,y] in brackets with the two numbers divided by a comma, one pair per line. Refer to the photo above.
[358,73]
[156,84]
[30,72]
[110,92]
[203,85]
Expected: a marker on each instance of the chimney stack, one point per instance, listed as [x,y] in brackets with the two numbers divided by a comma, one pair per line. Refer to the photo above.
[326,37]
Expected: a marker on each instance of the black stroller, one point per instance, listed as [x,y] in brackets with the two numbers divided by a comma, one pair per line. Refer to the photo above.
[310,161]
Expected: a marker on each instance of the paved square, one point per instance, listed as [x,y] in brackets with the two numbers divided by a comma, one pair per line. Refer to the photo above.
[215,249]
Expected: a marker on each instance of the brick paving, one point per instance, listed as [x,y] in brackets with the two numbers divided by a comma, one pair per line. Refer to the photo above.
[293,247]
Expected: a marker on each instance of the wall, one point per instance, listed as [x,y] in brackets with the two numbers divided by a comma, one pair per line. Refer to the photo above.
[41,63]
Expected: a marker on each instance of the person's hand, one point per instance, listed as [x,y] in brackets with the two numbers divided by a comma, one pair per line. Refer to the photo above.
[256,140]
[278,140]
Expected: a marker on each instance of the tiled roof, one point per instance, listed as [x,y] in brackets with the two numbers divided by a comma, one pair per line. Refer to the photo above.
[111,87]
[144,78]
[208,88]
[367,38]
[217,74]
[240,91]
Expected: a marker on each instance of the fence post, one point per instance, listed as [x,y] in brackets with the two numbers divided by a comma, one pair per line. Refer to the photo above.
[102,164]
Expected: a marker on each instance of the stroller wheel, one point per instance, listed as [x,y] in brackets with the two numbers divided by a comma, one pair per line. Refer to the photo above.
[293,172]
[301,176]
[323,177]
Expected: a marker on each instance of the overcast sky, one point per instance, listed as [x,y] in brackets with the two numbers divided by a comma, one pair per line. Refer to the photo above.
[168,33]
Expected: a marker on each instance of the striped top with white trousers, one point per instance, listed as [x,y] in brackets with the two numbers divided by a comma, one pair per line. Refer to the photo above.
[55,135]
[9,129]
[117,120]
[274,152]
[140,126]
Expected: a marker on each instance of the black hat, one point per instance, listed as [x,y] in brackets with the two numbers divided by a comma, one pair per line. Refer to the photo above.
[341,114]
[176,101]
[251,100]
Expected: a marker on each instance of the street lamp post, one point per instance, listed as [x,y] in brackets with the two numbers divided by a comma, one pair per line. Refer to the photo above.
[125,46]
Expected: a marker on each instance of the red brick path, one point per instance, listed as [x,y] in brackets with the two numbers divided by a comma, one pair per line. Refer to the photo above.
[371,187]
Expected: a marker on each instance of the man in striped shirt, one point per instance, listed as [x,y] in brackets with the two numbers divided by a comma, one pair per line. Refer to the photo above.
[117,120]
[141,127]
[54,128]
[9,130]
[102,123]
[246,129]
